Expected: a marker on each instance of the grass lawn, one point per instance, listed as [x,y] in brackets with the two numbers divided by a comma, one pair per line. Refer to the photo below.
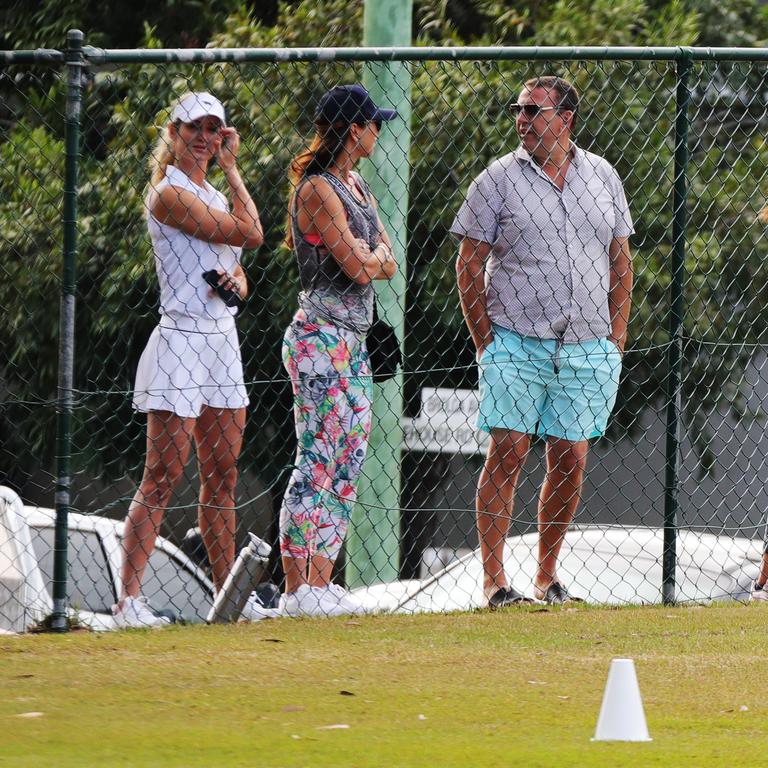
[520,687]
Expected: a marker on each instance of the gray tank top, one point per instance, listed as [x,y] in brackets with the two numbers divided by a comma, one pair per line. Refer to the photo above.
[327,293]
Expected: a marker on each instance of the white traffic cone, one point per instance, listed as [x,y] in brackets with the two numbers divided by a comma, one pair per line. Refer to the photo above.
[621,716]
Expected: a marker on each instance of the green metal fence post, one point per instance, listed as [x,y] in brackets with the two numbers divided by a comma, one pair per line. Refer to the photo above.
[75,63]
[675,355]
[373,546]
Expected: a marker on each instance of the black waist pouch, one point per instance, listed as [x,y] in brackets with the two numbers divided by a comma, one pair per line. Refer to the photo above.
[383,349]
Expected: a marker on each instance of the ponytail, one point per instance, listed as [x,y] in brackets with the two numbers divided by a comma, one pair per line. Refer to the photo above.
[318,157]
[160,159]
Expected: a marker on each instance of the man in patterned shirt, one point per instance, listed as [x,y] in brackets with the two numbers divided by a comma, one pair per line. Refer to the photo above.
[545,279]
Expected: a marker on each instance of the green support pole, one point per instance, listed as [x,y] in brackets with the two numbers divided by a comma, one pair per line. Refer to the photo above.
[75,63]
[373,545]
[675,356]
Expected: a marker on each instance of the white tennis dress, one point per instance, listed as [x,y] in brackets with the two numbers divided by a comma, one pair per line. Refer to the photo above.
[193,356]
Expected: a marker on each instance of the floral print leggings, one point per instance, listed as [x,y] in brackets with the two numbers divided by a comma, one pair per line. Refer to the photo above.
[332,391]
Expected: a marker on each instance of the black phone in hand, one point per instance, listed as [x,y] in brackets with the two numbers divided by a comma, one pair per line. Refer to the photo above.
[227,295]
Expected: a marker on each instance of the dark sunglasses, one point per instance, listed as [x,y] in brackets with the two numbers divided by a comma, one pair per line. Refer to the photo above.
[529,110]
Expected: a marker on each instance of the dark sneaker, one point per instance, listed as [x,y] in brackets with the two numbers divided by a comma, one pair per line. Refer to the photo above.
[555,594]
[506,596]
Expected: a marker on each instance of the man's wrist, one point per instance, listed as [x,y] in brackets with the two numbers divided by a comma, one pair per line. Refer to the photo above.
[483,340]
[618,341]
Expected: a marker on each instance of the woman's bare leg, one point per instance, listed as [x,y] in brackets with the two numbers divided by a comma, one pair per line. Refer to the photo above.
[219,439]
[169,438]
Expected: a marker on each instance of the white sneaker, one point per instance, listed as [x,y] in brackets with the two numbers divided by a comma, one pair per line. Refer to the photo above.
[310,601]
[344,599]
[135,613]
[255,611]
[759,593]
[291,602]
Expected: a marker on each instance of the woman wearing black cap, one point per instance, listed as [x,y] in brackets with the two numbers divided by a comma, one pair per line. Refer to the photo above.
[341,246]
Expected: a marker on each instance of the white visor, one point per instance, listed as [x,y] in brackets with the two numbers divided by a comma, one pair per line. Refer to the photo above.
[197,105]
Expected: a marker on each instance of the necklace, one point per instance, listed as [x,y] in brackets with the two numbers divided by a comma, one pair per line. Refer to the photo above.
[350,184]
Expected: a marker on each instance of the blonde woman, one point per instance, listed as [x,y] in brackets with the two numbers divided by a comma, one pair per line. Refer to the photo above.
[189,380]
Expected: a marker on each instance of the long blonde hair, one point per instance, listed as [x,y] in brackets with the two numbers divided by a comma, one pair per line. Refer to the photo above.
[160,158]
[162,153]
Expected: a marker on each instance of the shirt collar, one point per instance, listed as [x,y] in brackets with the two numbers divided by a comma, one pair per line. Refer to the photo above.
[521,153]
[172,171]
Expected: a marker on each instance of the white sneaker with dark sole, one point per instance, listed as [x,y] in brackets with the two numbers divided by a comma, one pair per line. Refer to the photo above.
[135,613]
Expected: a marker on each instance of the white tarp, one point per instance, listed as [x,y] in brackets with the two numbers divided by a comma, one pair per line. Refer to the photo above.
[23,597]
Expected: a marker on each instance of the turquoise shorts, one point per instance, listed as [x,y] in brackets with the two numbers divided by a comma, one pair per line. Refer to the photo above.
[544,387]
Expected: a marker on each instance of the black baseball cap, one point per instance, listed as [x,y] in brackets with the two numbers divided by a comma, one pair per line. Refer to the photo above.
[350,104]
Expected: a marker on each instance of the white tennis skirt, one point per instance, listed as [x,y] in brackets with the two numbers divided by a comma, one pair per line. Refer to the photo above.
[181,371]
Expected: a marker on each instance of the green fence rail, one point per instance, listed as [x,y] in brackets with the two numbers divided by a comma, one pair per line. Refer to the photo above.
[673,505]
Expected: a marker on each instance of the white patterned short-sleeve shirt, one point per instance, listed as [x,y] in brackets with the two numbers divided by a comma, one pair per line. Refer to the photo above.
[548,273]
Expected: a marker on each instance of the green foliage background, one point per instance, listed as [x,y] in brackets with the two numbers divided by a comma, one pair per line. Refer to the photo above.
[459,125]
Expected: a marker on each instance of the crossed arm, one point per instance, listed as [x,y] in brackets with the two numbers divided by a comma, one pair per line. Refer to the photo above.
[321,212]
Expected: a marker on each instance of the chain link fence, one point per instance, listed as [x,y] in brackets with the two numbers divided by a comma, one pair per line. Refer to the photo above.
[674,497]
